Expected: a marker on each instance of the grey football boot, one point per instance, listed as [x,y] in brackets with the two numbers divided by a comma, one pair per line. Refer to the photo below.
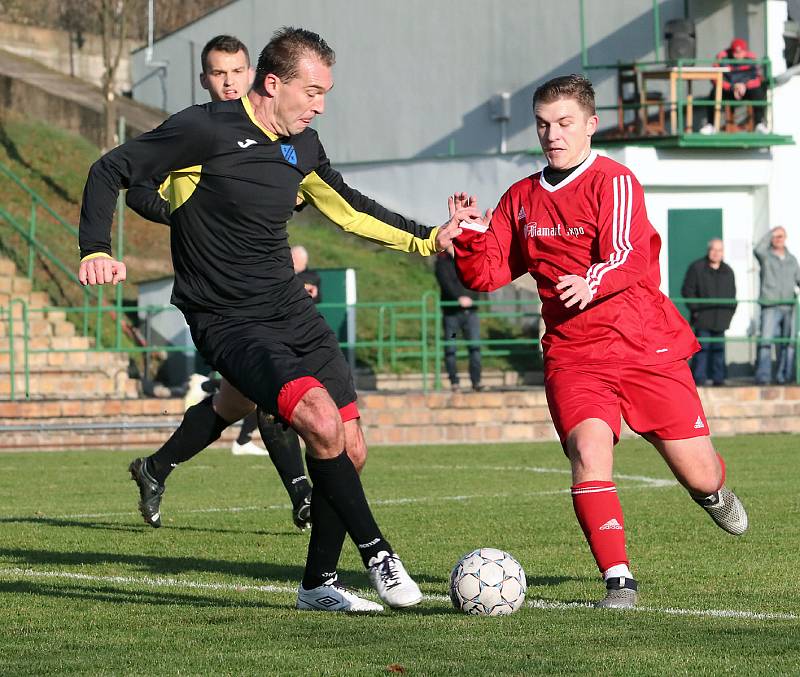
[150,492]
[621,593]
[726,510]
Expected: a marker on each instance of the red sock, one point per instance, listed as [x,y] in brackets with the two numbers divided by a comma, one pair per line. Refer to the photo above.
[599,513]
[722,463]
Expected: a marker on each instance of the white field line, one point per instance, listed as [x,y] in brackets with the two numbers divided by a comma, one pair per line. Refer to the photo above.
[545,605]
[650,481]
[647,483]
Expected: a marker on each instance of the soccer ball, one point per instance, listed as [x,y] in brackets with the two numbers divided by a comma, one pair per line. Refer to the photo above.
[488,582]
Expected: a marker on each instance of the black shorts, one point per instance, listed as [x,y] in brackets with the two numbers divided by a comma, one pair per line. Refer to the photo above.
[260,357]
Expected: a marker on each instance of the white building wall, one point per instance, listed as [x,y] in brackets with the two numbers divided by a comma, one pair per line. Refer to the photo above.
[414,78]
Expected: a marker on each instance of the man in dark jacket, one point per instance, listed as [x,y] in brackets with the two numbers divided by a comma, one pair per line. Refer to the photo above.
[459,315]
[710,278]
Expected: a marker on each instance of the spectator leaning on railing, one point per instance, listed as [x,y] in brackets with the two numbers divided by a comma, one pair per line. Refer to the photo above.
[780,277]
[742,81]
[710,278]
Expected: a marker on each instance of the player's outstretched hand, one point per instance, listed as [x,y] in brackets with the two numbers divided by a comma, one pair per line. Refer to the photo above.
[576,290]
[461,207]
[461,201]
[101,270]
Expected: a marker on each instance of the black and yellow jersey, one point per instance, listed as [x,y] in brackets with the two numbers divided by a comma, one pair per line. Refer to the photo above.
[233,186]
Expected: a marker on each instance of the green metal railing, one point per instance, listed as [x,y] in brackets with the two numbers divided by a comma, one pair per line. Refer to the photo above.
[38,250]
[680,103]
[793,340]
[407,335]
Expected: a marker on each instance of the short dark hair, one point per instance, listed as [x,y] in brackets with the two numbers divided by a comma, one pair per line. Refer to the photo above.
[567,87]
[283,52]
[223,43]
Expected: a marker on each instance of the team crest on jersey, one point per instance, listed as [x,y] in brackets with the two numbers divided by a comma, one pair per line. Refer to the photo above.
[289,153]
[522,215]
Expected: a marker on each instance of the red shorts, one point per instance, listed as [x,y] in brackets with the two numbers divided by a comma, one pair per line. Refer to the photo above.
[660,399]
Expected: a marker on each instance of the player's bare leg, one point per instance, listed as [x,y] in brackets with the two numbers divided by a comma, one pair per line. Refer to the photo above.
[355,444]
[700,469]
[590,448]
[230,404]
[338,494]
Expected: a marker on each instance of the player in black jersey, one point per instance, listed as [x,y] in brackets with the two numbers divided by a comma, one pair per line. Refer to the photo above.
[226,76]
[236,168]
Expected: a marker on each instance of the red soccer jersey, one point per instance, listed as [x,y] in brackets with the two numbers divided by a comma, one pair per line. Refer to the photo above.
[592,224]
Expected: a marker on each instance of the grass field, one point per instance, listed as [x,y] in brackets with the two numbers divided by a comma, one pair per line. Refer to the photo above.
[89,589]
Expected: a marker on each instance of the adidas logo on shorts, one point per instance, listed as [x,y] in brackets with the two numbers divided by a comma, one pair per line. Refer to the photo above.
[699,423]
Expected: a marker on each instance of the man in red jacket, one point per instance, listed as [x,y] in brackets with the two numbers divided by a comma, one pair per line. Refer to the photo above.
[742,82]
[614,345]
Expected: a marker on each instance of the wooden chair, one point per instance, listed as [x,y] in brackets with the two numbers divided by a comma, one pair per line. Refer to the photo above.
[658,125]
[629,93]
[747,124]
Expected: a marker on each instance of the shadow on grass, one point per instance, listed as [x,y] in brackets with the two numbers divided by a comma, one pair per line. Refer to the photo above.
[123,596]
[157,566]
[116,526]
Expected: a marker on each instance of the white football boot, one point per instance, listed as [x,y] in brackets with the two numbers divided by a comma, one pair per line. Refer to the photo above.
[390,578]
[726,510]
[330,596]
[248,449]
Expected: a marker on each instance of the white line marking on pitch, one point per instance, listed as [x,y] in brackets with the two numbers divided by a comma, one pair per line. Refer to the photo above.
[650,482]
[285,506]
[545,605]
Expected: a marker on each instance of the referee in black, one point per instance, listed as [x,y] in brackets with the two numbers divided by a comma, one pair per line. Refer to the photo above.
[236,169]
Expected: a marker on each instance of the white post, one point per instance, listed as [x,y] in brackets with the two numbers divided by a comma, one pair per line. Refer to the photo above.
[777,15]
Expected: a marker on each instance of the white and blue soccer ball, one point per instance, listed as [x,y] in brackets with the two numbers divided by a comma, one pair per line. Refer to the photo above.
[488,582]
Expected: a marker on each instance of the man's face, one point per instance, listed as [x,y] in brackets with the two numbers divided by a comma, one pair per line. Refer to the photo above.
[299,100]
[715,251]
[227,76]
[738,53]
[565,132]
[779,238]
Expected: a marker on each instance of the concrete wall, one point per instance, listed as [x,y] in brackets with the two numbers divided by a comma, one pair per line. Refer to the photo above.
[414,79]
[52,49]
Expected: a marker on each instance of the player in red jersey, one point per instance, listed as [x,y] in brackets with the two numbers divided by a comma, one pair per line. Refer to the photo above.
[614,345]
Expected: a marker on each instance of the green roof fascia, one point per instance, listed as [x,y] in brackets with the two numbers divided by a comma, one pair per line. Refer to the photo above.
[721,140]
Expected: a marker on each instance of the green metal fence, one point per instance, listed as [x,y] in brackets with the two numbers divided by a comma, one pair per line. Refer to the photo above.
[401,336]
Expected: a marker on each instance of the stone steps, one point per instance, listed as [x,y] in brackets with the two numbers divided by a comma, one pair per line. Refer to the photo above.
[60,363]
[388,418]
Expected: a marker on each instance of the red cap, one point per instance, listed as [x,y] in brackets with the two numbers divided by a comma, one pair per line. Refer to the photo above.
[738,43]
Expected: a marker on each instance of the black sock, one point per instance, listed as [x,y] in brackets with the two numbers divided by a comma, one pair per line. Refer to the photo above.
[249,424]
[200,427]
[337,480]
[283,446]
[325,544]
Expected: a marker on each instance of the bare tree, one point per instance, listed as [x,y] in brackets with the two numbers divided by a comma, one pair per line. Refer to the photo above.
[113,15]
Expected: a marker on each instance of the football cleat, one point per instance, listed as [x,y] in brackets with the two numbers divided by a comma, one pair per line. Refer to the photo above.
[390,578]
[150,492]
[621,593]
[330,596]
[301,513]
[726,510]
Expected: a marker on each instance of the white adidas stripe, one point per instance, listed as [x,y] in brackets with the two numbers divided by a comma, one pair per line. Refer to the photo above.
[593,490]
[621,231]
